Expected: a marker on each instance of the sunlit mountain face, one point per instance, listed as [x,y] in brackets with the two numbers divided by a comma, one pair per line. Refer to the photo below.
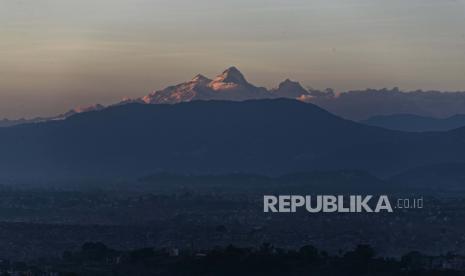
[230,85]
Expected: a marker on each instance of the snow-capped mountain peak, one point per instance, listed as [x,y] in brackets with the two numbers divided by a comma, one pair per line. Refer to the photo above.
[229,85]
[231,75]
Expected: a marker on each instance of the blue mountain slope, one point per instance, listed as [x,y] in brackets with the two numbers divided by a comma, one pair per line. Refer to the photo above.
[257,136]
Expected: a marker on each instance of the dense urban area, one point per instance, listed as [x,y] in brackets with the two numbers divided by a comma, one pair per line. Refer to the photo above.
[188,219]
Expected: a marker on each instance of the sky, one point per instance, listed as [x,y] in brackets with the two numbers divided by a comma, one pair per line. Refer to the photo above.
[59,54]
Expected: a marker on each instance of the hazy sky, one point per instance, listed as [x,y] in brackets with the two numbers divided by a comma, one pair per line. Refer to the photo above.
[58,54]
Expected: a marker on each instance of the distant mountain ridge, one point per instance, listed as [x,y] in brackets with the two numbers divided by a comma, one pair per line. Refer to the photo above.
[363,104]
[410,122]
[81,109]
[232,85]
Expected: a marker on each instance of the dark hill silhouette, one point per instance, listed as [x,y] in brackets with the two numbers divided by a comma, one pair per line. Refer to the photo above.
[257,136]
[410,122]
[444,177]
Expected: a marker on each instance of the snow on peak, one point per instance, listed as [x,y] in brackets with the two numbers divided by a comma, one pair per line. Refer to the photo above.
[201,79]
[231,75]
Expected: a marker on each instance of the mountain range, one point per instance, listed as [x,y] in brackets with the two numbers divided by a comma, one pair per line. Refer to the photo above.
[271,136]
[232,85]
